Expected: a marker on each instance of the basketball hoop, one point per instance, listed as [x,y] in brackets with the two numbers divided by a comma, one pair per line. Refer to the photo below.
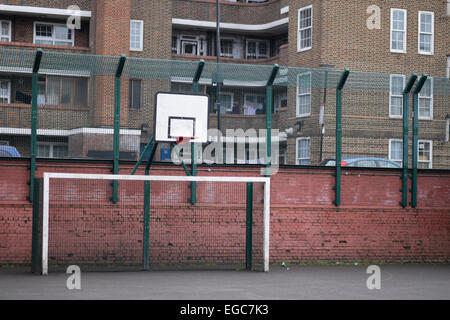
[183,140]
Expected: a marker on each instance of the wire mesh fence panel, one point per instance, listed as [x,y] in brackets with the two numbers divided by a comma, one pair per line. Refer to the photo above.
[433,151]
[82,105]
[88,230]
[224,229]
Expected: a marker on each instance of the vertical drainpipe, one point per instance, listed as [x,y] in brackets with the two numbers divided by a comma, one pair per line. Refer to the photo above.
[116,142]
[406,91]
[195,81]
[415,145]
[34,114]
[339,88]
[269,94]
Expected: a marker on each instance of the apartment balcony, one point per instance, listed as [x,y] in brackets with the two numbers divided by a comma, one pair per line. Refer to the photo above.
[30,27]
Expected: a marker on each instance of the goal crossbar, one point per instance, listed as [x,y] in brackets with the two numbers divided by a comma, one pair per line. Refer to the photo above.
[47,176]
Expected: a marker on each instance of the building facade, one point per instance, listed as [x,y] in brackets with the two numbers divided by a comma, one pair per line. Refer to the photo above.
[394,38]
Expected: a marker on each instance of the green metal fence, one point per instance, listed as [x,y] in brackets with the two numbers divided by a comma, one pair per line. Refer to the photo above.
[81,106]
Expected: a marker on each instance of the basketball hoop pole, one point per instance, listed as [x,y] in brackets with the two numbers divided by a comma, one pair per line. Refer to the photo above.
[195,81]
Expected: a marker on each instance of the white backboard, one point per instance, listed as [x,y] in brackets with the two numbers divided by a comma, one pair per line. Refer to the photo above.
[181,115]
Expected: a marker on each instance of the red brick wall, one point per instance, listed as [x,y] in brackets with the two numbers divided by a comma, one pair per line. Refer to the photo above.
[305,225]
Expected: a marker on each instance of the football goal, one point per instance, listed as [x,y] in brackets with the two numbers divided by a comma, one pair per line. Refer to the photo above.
[153,225]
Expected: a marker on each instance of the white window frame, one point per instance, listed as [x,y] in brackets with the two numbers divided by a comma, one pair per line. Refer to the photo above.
[430,162]
[53,37]
[400,161]
[277,101]
[9,29]
[232,100]
[391,95]
[299,48]
[405,36]
[141,35]
[52,145]
[420,32]
[8,97]
[431,101]
[299,115]
[297,158]
[232,48]
[258,55]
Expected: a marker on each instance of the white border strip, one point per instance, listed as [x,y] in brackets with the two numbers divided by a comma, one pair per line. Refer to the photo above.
[231,26]
[56,175]
[43,11]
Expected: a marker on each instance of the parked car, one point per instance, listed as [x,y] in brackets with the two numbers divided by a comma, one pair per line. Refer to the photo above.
[7,151]
[361,162]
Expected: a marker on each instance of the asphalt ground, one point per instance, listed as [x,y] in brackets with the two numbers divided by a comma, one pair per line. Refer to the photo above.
[321,282]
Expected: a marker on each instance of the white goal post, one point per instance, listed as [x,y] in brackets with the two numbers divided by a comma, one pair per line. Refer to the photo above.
[47,176]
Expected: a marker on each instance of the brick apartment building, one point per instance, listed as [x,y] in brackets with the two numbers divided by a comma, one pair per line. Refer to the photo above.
[413,36]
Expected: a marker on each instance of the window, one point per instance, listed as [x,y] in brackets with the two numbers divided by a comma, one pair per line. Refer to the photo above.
[304,94]
[53,34]
[254,104]
[397,84]
[396,150]
[257,49]
[280,101]
[425,154]
[398,30]
[226,48]
[303,151]
[5,30]
[304,41]
[136,35]
[41,93]
[51,150]
[189,47]
[426,32]
[66,91]
[135,94]
[5,91]
[174,45]
[226,101]
[426,101]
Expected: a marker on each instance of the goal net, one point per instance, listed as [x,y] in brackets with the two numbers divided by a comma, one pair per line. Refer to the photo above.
[153,224]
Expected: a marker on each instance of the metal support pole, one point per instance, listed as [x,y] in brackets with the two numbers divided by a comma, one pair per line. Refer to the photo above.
[35,239]
[339,88]
[269,95]
[406,91]
[34,116]
[116,143]
[146,233]
[198,74]
[142,156]
[415,145]
[249,227]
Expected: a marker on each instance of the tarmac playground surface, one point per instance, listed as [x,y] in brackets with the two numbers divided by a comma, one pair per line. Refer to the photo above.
[398,281]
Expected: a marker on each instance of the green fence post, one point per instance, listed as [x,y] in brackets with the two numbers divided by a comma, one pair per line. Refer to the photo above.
[195,81]
[116,143]
[34,116]
[269,95]
[146,233]
[339,88]
[35,239]
[406,91]
[249,227]
[415,150]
